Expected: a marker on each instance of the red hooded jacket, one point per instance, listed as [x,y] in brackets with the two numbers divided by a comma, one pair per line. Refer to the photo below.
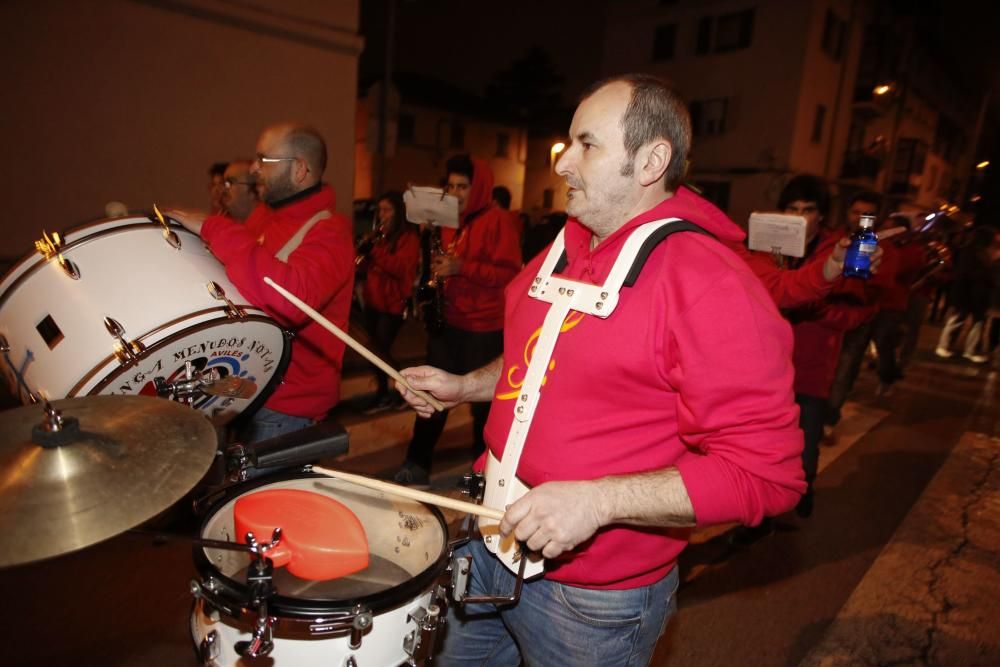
[320,272]
[490,250]
[392,268]
[692,370]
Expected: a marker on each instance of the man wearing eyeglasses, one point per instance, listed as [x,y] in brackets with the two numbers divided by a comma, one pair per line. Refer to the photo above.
[239,197]
[295,237]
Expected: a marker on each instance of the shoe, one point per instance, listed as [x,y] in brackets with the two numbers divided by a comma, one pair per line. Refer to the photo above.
[805,506]
[829,435]
[412,475]
[746,536]
[943,352]
[975,358]
[380,403]
[884,390]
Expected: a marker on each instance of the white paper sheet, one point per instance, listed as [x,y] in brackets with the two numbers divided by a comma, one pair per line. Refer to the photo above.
[432,206]
[777,232]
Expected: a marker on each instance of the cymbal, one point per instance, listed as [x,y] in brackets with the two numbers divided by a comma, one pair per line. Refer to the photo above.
[132,457]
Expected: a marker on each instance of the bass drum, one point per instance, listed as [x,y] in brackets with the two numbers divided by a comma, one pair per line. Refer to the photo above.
[122,303]
[380,615]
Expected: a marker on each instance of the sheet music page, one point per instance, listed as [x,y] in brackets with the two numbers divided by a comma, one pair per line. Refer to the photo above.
[432,206]
[777,232]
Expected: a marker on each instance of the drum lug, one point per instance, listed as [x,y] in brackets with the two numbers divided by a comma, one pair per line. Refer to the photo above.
[420,642]
[49,247]
[126,351]
[359,626]
[208,650]
[232,310]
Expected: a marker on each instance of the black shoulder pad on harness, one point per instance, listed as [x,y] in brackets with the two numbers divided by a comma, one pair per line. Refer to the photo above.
[651,242]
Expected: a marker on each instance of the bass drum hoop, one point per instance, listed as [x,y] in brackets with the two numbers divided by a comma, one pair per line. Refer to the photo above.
[153,348]
[303,609]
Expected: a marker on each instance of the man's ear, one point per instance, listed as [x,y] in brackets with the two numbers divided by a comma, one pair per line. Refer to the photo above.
[301,171]
[654,158]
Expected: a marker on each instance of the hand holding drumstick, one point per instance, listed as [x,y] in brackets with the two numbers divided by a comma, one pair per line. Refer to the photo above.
[355,345]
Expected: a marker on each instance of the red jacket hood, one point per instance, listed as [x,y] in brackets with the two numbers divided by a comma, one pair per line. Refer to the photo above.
[480,190]
[683,204]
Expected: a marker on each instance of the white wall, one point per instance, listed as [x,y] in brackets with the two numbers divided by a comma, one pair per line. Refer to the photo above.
[132,100]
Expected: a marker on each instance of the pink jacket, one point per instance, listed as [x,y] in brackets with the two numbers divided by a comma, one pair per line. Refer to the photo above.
[693,371]
[320,272]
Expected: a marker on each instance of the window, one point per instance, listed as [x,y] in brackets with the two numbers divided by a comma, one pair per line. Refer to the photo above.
[727,32]
[457,134]
[709,116]
[834,32]
[818,119]
[664,41]
[733,31]
[503,144]
[406,131]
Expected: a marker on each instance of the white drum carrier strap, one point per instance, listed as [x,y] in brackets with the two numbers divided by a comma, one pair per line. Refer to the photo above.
[502,485]
[293,243]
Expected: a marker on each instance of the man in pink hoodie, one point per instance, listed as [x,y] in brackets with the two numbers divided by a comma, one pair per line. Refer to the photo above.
[674,411]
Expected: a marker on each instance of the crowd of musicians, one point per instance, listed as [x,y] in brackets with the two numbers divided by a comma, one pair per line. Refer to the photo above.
[702,398]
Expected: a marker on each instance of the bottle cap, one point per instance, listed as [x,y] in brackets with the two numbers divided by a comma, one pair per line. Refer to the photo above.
[867,221]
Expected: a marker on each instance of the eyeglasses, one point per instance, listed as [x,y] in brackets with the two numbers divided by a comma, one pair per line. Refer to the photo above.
[230,182]
[263,159]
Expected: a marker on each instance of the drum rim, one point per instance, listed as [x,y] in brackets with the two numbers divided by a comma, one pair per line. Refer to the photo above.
[154,346]
[310,609]
[29,269]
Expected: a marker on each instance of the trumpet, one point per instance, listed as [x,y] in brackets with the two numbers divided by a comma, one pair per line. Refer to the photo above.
[365,246]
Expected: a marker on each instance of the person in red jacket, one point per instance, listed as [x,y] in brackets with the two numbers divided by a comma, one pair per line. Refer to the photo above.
[633,410]
[480,258]
[390,269]
[295,237]
[818,326]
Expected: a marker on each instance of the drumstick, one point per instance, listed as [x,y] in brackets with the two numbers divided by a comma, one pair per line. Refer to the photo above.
[358,347]
[413,494]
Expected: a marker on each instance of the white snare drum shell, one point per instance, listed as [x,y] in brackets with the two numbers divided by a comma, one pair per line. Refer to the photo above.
[407,543]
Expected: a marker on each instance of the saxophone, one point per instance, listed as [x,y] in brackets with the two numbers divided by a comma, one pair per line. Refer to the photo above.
[430,294]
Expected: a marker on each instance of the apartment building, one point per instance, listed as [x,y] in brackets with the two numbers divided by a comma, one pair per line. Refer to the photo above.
[778,87]
[428,122]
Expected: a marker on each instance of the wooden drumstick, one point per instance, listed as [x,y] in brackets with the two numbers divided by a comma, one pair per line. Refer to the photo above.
[413,494]
[355,345]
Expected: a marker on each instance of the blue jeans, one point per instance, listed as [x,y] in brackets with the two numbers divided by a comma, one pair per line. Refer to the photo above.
[267,423]
[554,624]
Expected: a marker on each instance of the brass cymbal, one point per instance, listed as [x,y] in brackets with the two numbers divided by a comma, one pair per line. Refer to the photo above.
[130,458]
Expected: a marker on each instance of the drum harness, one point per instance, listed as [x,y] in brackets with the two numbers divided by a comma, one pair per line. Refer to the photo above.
[502,487]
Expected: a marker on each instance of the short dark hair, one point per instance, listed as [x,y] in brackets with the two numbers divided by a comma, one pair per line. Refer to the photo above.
[655,111]
[502,196]
[868,197]
[307,143]
[806,187]
[460,164]
[217,169]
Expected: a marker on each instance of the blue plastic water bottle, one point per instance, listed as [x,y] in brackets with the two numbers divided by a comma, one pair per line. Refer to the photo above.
[858,261]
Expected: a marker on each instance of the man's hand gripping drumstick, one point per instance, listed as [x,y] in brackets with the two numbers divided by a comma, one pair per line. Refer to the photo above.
[427,400]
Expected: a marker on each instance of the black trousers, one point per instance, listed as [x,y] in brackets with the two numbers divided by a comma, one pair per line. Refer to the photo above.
[456,351]
[383,327]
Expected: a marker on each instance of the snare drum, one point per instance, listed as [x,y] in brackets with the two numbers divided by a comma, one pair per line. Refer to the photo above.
[130,302]
[385,614]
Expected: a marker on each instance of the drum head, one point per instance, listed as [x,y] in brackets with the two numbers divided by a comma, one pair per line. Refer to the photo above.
[407,542]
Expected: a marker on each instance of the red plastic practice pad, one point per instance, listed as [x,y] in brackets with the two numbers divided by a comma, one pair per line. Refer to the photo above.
[320,537]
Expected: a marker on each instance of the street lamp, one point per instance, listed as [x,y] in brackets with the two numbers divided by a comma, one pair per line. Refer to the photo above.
[556,149]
